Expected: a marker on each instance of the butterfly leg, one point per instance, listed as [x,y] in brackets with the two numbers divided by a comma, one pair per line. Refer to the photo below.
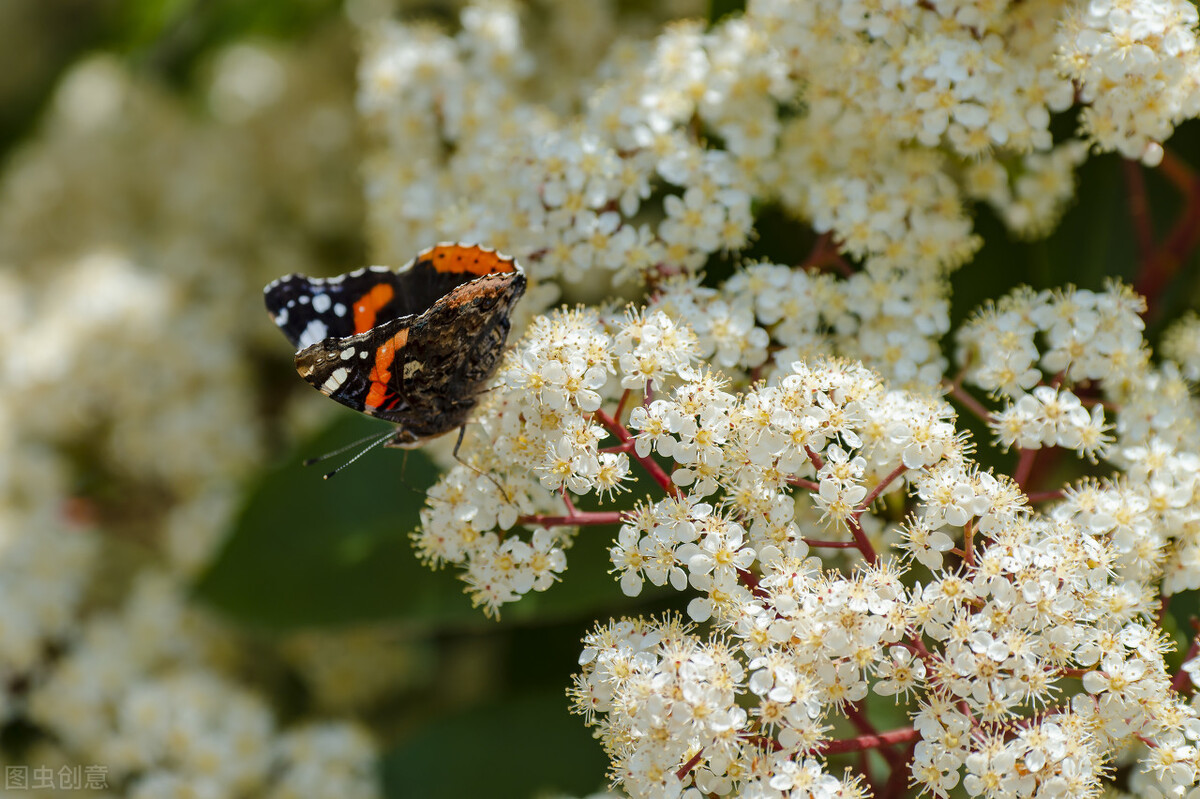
[462,431]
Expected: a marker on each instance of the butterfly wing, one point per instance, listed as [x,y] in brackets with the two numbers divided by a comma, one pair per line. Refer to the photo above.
[422,372]
[311,309]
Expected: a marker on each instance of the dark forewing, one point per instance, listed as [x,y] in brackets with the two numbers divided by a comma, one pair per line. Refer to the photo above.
[309,310]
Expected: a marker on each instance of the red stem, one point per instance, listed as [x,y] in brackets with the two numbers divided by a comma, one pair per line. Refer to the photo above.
[1024,466]
[1139,209]
[688,766]
[621,404]
[800,482]
[865,727]
[652,468]
[860,540]
[815,458]
[816,256]
[824,254]
[750,580]
[812,542]
[1157,270]
[898,779]
[869,741]
[968,554]
[580,518]
[967,401]
[1177,171]
[877,490]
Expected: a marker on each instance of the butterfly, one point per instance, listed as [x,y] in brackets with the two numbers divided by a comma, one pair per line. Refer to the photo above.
[414,346]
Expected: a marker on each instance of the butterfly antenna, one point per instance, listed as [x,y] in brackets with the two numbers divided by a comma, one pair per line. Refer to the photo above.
[341,449]
[379,440]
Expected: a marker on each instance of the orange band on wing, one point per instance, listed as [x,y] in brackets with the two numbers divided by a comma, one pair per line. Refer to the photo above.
[366,308]
[381,373]
[463,259]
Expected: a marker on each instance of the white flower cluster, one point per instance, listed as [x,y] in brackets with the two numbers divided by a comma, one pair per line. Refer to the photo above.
[1033,348]
[767,316]
[1030,199]
[538,437]
[988,644]
[876,123]
[1137,65]
[1049,417]
[540,433]
[1019,629]
[1064,346]
[129,416]
[137,694]
[1181,343]
[1087,335]
[563,197]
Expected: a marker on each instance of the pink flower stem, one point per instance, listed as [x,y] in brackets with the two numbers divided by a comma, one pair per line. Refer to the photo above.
[878,489]
[869,741]
[967,401]
[800,482]
[861,541]
[688,766]
[652,468]
[812,542]
[1024,467]
[815,458]
[581,518]
[621,404]
[968,553]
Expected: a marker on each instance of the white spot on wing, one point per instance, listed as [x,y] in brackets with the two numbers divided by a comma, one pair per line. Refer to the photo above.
[339,309]
[321,303]
[335,380]
[314,332]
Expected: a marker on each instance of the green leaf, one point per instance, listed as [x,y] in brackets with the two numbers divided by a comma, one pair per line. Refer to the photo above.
[719,9]
[307,551]
[519,748]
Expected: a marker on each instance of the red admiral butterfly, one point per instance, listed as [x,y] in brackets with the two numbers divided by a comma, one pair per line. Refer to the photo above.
[415,346]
